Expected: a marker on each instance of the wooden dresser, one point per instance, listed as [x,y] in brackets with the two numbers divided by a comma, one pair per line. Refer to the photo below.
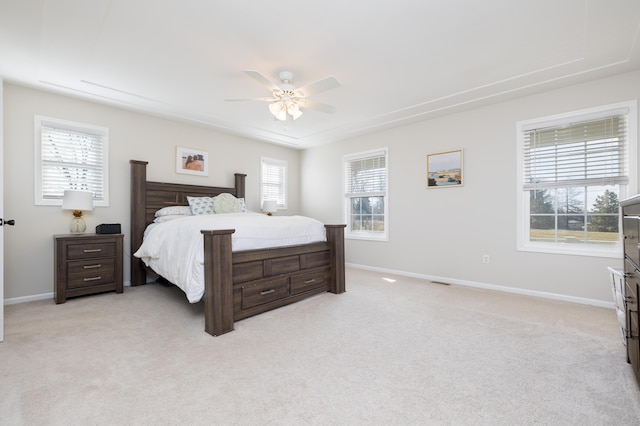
[87,264]
[631,231]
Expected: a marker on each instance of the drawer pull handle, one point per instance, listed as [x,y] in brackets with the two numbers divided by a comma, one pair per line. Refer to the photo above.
[92,250]
[93,278]
[264,293]
[92,266]
[311,281]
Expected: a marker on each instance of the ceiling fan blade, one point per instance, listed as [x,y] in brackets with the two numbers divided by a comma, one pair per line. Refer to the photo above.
[319,86]
[262,80]
[309,104]
[252,99]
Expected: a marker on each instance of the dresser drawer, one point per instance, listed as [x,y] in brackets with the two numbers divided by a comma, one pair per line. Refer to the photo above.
[630,209]
[90,272]
[91,250]
[309,280]
[631,230]
[264,291]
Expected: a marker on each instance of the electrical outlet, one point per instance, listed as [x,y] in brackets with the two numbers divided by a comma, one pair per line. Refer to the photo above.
[486,258]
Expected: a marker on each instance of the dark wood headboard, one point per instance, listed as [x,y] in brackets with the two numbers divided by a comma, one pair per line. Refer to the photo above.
[148,197]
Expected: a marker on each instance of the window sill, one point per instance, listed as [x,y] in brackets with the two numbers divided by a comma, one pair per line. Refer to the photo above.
[366,237]
[574,249]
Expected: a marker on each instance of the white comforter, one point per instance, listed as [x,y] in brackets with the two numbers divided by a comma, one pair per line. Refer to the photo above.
[174,249]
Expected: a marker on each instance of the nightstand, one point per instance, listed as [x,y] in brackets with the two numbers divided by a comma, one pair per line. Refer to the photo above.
[87,264]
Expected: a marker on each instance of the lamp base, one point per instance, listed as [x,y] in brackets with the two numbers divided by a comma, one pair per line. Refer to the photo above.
[78,225]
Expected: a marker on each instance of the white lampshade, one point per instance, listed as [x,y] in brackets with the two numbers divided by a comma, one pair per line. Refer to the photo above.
[269,206]
[77,200]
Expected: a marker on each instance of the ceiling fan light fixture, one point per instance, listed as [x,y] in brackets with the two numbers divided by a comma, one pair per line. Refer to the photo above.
[286,99]
[279,110]
[294,110]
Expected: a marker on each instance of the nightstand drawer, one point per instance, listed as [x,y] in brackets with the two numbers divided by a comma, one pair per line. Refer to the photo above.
[90,272]
[265,291]
[91,250]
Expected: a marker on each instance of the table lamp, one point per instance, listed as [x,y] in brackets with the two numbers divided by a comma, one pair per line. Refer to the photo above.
[78,201]
[269,206]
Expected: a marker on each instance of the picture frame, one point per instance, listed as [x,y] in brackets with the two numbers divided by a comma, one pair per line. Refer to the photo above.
[192,161]
[445,169]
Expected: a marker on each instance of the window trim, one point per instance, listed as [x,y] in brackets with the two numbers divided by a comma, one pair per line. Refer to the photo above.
[364,235]
[278,163]
[522,235]
[43,121]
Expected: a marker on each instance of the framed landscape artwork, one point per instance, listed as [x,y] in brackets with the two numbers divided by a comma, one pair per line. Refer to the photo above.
[192,162]
[444,169]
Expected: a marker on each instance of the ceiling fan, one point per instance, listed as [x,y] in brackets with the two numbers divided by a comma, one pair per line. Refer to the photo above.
[287,99]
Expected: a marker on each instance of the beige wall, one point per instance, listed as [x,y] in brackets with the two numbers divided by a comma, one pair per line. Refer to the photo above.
[433,233]
[445,232]
[28,257]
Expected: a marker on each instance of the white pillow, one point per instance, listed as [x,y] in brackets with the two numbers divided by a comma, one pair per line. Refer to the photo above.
[174,210]
[169,217]
[227,203]
[201,205]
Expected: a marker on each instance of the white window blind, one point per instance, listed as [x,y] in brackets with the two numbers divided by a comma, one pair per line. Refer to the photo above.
[274,181]
[366,175]
[365,191]
[71,156]
[591,152]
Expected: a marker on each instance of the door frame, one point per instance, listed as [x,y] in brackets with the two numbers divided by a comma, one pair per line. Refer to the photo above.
[1,210]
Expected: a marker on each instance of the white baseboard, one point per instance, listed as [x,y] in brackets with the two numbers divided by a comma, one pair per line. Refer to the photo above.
[535,293]
[24,299]
[43,296]
[445,280]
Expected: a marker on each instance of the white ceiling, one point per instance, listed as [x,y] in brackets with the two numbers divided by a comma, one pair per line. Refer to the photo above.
[397,61]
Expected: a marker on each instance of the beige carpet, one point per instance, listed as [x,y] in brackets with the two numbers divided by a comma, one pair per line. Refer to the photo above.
[384,353]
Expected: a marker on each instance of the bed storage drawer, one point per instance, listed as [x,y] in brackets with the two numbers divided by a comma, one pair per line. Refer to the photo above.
[309,280]
[264,291]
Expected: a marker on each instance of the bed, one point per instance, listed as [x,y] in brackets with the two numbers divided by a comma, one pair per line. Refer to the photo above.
[241,283]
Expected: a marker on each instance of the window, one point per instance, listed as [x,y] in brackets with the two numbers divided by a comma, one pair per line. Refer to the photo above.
[273,185]
[70,155]
[574,169]
[365,191]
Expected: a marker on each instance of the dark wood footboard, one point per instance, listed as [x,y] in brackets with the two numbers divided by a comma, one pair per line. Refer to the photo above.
[242,284]
[246,283]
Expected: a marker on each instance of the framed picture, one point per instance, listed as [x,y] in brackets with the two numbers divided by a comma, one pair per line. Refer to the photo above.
[444,169]
[192,162]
